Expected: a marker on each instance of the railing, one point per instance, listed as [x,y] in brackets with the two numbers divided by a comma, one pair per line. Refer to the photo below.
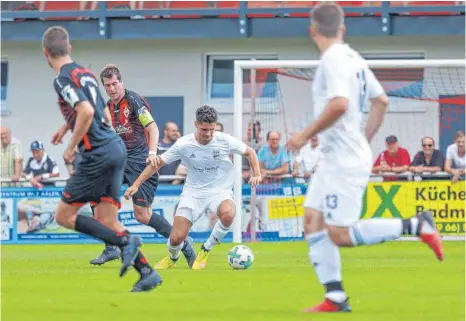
[405,176]
[243,12]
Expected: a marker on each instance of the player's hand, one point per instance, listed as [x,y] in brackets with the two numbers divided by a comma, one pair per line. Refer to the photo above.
[296,142]
[68,155]
[152,160]
[255,180]
[133,189]
[58,136]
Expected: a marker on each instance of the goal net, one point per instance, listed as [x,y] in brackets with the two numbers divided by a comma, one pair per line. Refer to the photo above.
[273,99]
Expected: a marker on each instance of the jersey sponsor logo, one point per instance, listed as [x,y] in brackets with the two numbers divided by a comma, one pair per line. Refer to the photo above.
[121,129]
[126,113]
[69,95]
[206,169]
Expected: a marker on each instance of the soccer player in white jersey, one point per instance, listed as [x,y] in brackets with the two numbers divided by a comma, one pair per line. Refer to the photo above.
[208,185]
[343,85]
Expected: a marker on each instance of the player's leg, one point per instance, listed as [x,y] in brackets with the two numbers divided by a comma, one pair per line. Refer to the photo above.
[182,223]
[142,205]
[110,253]
[225,208]
[323,254]
[346,229]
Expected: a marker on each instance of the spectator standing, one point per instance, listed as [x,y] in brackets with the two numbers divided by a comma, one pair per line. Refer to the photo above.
[307,159]
[11,156]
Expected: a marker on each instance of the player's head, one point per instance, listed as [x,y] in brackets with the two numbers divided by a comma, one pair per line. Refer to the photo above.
[459,139]
[219,127]
[273,139]
[37,149]
[206,118]
[56,44]
[6,136]
[327,23]
[428,145]
[392,143]
[110,77]
[170,131]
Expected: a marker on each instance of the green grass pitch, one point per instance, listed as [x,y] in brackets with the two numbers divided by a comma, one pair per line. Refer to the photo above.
[395,281]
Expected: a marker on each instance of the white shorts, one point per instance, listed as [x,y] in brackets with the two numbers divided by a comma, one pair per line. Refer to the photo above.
[339,197]
[198,206]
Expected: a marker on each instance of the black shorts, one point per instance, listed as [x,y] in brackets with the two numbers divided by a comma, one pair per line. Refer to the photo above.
[145,195]
[98,177]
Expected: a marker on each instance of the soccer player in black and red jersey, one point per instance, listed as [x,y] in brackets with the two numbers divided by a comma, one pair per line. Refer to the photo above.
[99,174]
[132,120]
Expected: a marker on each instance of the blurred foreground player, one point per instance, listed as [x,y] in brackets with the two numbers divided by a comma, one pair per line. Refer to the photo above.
[209,183]
[342,87]
[132,120]
[99,174]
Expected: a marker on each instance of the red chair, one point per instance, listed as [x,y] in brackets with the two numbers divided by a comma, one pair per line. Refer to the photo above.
[228,5]
[187,5]
[262,4]
[60,6]
[431,3]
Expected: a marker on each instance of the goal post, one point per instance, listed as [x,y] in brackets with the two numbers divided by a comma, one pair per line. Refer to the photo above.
[425,84]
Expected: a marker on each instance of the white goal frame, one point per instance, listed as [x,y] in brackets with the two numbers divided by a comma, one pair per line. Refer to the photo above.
[241,65]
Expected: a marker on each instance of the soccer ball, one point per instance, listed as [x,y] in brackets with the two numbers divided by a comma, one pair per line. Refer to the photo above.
[240,257]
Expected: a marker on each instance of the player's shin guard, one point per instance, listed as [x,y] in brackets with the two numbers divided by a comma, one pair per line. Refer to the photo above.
[94,228]
[325,257]
[174,250]
[160,225]
[218,233]
[373,231]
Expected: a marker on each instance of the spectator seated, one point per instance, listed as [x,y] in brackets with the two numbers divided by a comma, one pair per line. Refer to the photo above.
[429,159]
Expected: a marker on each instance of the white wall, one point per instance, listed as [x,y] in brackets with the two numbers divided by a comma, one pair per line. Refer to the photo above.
[176,67]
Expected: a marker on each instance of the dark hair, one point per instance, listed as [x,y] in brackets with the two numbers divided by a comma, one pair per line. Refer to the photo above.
[206,114]
[328,18]
[108,72]
[56,42]
[272,131]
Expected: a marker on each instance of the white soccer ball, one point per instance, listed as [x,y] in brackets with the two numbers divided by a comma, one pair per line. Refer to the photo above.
[240,257]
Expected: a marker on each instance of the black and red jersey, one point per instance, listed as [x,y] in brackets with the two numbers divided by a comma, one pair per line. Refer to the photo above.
[75,84]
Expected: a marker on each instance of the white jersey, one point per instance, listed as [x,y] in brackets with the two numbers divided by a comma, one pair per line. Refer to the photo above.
[452,154]
[344,73]
[209,167]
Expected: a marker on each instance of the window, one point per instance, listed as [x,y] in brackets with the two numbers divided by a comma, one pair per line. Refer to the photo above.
[220,78]
[4,81]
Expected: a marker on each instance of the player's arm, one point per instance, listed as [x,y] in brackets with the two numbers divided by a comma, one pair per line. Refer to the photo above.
[238,147]
[76,98]
[379,104]
[144,115]
[148,172]
[171,155]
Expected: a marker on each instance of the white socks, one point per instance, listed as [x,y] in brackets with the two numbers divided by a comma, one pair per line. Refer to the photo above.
[373,231]
[218,233]
[325,257]
[174,251]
